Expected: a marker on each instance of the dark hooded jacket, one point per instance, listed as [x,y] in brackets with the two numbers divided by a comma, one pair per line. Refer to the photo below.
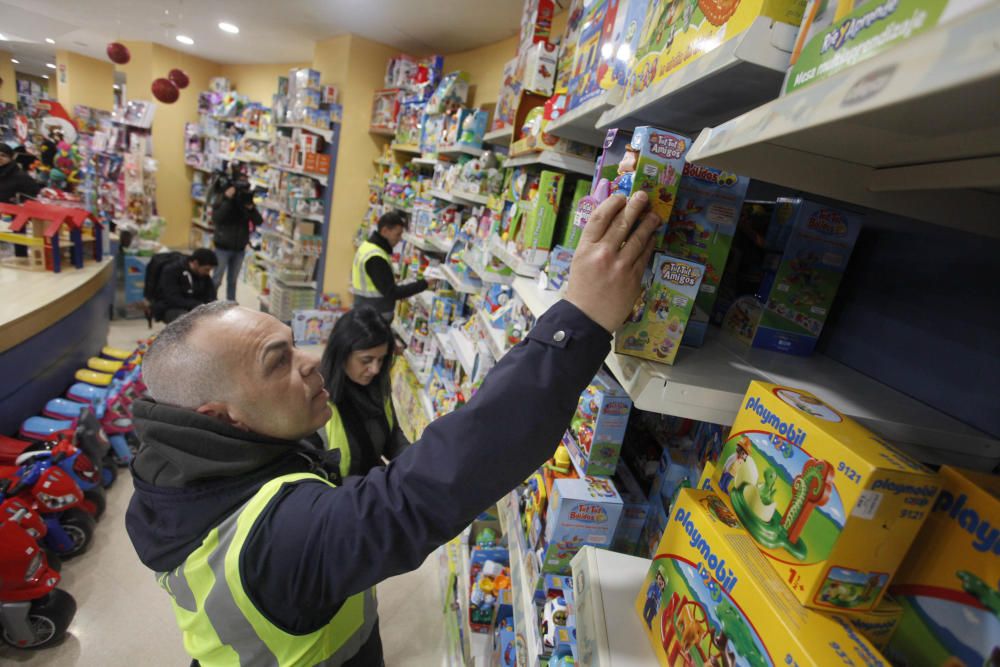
[314,546]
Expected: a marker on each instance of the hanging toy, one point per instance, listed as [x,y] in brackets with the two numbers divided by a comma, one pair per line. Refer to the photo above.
[165,91]
[179,78]
[118,53]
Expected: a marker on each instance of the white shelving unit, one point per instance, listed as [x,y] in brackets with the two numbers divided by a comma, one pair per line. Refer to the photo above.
[406,148]
[326,134]
[460,284]
[459,149]
[425,161]
[912,131]
[552,159]
[535,298]
[499,137]
[525,616]
[518,265]
[735,76]
[445,196]
[580,124]
[291,170]
[494,339]
[465,350]
[298,216]
[471,198]
[427,243]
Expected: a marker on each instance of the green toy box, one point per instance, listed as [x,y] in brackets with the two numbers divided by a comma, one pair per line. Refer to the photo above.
[656,326]
[833,507]
[710,598]
[948,583]
[535,221]
[653,162]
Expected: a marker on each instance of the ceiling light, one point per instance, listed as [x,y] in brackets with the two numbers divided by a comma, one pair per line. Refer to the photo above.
[15,61]
[184,39]
[45,76]
[49,40]
[229,27]
[2,38]
[50,65]
[116,87]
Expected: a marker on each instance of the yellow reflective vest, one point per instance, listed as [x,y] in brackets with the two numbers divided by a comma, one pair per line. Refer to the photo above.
[336,435]
[361,283]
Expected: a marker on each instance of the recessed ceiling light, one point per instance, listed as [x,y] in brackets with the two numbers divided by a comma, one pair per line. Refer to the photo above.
[184,39]
[49,40]
[50,65]
[15,61]
[45,76]
[229,27]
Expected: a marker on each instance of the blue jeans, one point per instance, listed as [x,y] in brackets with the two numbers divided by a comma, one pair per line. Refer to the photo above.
[230,262]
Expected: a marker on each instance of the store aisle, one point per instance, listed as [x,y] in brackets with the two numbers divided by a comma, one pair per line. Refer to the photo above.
[124,619]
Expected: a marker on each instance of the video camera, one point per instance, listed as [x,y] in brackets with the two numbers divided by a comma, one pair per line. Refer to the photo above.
[222,181]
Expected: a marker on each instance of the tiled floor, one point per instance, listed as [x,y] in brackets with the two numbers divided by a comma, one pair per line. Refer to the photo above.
[124,619]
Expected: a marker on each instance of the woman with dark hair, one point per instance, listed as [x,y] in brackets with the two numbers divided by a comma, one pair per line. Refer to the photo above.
[355,367]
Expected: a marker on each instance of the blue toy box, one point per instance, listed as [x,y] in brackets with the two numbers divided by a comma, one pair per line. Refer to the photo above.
[598,427]
[580,512]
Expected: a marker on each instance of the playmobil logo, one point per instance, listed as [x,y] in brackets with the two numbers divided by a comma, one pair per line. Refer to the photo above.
[588,513]
[709,175]
[909,489]
[788,431]
[984,535]
[850,28]
[713,565]
[828,222]
[666,146]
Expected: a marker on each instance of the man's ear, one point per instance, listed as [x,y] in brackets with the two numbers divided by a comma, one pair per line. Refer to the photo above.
[221,412]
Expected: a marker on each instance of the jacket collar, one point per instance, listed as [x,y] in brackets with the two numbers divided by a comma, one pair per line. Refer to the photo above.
[380,241]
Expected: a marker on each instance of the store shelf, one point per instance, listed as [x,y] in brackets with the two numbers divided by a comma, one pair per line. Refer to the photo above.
[264,301]
[580,124]
[201,225]
[382,131]
[271,206]
[495,339]
[525,614]
[535,298]
[465,349]
[253,159]
[446,345]
[198,167]
[406,148]
[200,200]
[326,134]
[737,75]
[444,196]
[469,197]
[499,137]
[384,162]
[250,136]
[426,161]
[518,265]
[291,170]
[903,132]
[552,159]
[426,243]
[461,285]
[422,377]
[459,149]
[487,276]
[400,331]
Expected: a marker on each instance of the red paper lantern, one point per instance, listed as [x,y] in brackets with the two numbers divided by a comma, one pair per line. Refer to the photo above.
[165,91]
[179,78]
[119,53]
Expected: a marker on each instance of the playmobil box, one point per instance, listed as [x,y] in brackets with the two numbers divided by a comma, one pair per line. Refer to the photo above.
[656,326]
[635,511]
[810,246]
[580,511]
[948,583]
[833,507]
[654,162]
[879,624]
[701,229]
[710,597]
[598,427]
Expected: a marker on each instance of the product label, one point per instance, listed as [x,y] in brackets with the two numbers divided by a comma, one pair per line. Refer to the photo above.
[867,505]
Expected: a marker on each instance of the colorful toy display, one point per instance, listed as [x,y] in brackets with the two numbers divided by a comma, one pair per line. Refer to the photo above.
[653,161]
[580,512]
[833,507]
[656,326]
[711,599]
[810,246]
[534,222]
[879,624]
[596,50]
[947,584]
[598,427]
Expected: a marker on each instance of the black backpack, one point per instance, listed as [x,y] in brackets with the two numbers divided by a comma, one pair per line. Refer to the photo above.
[153,272]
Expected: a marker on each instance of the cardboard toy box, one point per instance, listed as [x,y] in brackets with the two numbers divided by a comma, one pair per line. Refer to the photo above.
[580,511]
[710,597]
[948,583]
[656,326]
[832,506]
[567,44]
[701,229]
[596,50]
[598,427]
[510,93]
[654,162]
[879,624]
[809,247]
[535,221]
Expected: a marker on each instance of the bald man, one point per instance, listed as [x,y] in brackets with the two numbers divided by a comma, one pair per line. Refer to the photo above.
[268,557]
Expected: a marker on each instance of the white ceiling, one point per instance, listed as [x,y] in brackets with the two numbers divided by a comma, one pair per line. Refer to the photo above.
[270,32]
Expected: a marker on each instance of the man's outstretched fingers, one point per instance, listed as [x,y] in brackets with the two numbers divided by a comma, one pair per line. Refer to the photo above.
[641,238]
[602,217]
[621,226]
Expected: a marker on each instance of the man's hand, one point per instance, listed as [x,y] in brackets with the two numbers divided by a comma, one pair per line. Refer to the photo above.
[606,273]
[230,192]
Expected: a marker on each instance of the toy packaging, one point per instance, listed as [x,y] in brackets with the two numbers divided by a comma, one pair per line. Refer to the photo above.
[879,624]
[711,598]
[313,327]
[947,584]
[598,427]
[832,506]
[536,23]
[656,326]
[535,224]
[635,511]
[567,44]
[810,246]
[385,110]
[510,93]
[540,63]
[580,213]
[584,84]
[653,161]
[471,127]
[453,90]
[701,229]
[580,511]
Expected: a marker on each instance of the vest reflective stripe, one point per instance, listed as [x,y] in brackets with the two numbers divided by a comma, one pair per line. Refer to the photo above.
[336,435]
[222,626]
[361,284]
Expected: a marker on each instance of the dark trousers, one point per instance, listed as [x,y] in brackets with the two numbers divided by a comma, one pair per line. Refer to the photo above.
[230,262]
[649,612]
[370,654]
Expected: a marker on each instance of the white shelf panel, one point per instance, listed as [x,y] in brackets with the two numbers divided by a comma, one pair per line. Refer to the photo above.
[271,206]
[459,149]
[425,161]
[249,159]
[499,137]
[291,170]
[552,159]
[446,345]
[535,298]
[469,197]
[735,76]
[525,616]
[487,276]
[931,100]
[326,134]
[200,168]
[464,349]
[461,285]
[445,196]
[494,339]
[518,265]
[580,124]
[406,148]
[425,243]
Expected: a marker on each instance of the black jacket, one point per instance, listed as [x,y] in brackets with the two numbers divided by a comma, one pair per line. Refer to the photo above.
[14,181]
[316,546]
[232,224]
[369,438]
[380,272]
[179,287]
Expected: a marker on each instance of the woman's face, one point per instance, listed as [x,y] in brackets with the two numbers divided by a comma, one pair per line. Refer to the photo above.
[364,365]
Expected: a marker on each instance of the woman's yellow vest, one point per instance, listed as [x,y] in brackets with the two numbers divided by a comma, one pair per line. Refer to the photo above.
[336,435]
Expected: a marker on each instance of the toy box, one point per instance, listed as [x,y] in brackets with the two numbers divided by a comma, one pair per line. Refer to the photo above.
[313,327]
[580,511]
[832,506]
[471,127]
[535,220]
[653,161]
[656,326]
[534,113]
[536,23]
[810,246]
[635,511]
[452,91]
[598,427]
[432,129]
[879,624]
[539,69]
[711,598]
[567,44]
[609,162]
[504,648]
[587,55]
[947,584]
[701,229]
[303,79]
[510,93]
[385,110]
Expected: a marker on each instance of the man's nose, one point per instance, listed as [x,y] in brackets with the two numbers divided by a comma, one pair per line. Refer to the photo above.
[308,365]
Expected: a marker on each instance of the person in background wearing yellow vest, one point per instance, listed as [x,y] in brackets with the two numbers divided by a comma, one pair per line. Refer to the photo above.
[356,365]
[372,281]
[269,557]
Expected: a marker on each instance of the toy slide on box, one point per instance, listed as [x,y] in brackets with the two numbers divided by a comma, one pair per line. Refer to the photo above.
[948,582]
[833,507]
[710,598]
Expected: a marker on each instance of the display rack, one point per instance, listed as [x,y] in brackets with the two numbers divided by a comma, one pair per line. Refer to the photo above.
[525,613]
[580,123]
[518,265]
[912,131]
[500,137]
[552,159]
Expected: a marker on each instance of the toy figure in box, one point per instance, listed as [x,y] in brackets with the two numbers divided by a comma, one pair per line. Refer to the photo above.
[453,90]
[473,127]
[622,185]
[658,168]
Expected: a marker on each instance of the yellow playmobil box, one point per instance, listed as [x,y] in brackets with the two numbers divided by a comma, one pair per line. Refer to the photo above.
[676,33]
[710,598]
[879,624]
[948,584]
[832,506]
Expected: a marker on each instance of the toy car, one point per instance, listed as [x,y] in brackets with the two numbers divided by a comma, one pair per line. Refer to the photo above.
[554,616]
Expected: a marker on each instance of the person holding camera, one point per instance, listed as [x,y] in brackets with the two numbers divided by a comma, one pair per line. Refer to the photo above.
[233,218]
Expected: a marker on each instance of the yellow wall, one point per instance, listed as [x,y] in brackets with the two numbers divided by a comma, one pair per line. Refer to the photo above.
[8,90]
[83,80]
[258,82]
